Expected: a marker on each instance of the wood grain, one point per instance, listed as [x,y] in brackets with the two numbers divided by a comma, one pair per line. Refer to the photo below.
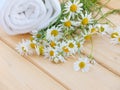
[18,73]
[112,4]
[65,74]
[102,76]
[106,53]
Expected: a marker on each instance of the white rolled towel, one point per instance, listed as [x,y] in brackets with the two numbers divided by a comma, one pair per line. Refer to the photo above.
[23,16]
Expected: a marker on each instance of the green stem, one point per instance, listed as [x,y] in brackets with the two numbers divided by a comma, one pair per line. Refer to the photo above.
[91,53]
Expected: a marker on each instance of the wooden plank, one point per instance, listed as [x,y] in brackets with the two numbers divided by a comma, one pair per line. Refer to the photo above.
[98,78]
[113,4]
[16,73]
[65,74]
[105,53]
[115,18]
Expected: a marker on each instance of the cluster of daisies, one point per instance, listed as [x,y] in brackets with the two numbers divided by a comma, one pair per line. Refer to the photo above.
[61,41]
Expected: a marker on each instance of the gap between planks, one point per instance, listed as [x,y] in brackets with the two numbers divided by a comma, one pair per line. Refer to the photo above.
[26,36]
[112,4]
[106,55]
[18,73]
[70,78]
[66,75]
[32,62]
[32,58]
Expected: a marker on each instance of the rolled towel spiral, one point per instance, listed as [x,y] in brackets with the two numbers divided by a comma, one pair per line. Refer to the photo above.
[24,16]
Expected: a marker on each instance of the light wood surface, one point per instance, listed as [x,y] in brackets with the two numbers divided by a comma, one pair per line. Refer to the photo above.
[66,76]
[106,53]
[112,4]
[16,73]
[37,73]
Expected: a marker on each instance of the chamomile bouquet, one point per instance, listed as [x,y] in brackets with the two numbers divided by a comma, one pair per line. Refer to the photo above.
[76,24]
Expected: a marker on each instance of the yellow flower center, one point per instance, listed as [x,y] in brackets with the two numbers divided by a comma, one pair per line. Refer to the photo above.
[73,8]
[38,35]
[32,45]
[119,39]
[82,65]
[31,38]
[41,50]
[23,48]
[54,33]
[67,23]
[85,21]
[114,34]
[51,53]
[52,44]
[71,45]
[102,29]
[88,37]
[93,30]
[65,49]
[78,45]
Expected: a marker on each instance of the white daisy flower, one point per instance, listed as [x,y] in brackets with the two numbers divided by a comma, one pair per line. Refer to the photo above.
[64,49]
[50,53]
[72,46]
[115,40]
[67,24]
[24,48]
[59,58]
[31,46]
[79,44]
[39,50]
[86,19]
[114,33]
[53,44]
[82,64]
[86,35]
[35,35]
[73,8]
[54,33]
[103,28]
[92,29]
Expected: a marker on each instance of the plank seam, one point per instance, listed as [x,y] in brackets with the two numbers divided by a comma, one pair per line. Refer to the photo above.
[108,68]
[39,67]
